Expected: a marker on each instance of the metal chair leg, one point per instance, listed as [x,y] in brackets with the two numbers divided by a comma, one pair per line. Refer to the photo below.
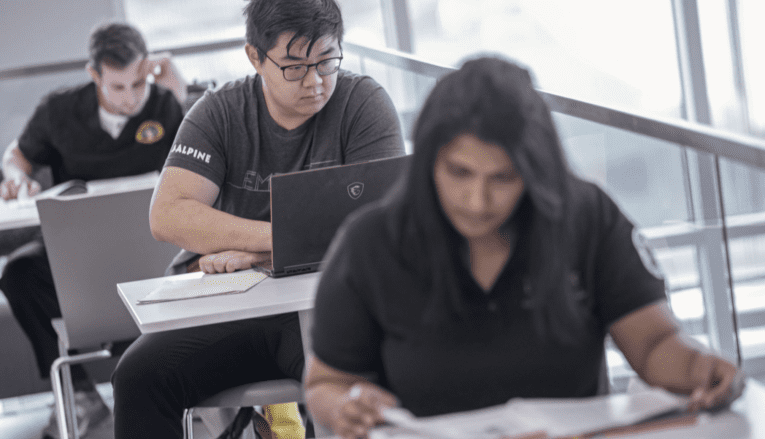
[189,422]
[68,393]
[62,401]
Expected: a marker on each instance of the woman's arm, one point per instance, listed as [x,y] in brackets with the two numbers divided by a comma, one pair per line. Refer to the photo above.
[663,356]
[346,403]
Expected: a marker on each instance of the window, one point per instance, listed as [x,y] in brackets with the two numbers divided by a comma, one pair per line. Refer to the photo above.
[614,53]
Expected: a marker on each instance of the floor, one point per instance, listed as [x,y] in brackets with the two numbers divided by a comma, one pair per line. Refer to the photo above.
[26,416]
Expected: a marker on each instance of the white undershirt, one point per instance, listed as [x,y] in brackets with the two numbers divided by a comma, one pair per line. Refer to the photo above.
[114,123]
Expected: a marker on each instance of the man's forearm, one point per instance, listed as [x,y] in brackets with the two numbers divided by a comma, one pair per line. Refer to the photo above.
[202,229]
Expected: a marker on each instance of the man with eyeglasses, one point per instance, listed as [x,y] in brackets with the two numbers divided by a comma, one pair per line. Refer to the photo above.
[299,112]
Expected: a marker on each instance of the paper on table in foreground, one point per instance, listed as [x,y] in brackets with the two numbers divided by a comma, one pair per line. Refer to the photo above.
[207,285]
[525,418]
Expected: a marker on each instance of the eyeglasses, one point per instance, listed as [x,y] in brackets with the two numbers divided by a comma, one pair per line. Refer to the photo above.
[296,72]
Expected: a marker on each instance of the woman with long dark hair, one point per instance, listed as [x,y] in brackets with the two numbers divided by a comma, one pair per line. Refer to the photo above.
[490,272]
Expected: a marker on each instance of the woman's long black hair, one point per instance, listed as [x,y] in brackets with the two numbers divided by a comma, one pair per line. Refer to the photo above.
[494,100]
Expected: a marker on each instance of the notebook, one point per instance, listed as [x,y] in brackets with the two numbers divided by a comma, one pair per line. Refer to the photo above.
[307,208]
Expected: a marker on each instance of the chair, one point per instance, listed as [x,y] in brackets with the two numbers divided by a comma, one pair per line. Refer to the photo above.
[255,394]
[262,393]
[93,243]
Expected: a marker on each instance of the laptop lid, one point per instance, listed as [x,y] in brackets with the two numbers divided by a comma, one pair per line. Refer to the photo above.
[307,208]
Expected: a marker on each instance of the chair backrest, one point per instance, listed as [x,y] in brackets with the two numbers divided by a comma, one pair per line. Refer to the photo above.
[95,242]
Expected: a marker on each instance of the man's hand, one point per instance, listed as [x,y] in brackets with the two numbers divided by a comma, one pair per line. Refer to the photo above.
[11,189]
[231,261]
[160,65]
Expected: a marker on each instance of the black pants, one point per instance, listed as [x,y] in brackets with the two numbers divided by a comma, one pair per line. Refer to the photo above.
[163,373]
[27,283]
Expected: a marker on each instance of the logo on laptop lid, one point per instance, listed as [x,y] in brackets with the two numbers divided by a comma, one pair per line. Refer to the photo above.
[355,190]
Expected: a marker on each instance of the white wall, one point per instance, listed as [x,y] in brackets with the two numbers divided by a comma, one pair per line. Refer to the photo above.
[36,32]
[43,31]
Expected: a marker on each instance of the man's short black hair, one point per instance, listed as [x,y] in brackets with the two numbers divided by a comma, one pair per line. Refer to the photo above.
[116,45]
[306,19]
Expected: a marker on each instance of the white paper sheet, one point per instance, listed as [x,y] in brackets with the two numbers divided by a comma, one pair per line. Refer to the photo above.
[521,418]
[205,286]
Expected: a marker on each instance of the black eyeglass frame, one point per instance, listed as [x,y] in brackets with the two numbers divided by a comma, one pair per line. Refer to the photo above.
[307,67]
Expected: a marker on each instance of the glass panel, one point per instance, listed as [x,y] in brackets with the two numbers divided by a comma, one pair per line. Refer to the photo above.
[171,23]
[363,22]
[595,50]
[638,171]
[678,216]
[746,231]
[724,105]
[750,13]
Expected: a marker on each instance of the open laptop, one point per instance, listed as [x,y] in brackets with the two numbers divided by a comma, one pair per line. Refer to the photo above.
[307,208]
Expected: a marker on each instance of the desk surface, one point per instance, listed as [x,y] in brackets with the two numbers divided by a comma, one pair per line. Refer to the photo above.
[271,296]
[20,213]
[16,214]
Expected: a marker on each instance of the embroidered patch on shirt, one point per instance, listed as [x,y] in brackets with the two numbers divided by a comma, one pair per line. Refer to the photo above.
[149,132]
[646,254]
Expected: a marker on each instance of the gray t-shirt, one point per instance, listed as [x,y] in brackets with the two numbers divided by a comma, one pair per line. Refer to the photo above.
[230,138]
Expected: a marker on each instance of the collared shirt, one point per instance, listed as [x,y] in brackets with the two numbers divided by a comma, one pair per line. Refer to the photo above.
[65,133]
[114,123]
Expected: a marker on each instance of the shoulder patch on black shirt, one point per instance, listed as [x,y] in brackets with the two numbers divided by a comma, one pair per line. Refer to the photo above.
[646,254]
[149,132]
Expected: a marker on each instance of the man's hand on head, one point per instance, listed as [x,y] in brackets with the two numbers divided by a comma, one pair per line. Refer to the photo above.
[12,188]
[231,260]
[158,64]
[161,67]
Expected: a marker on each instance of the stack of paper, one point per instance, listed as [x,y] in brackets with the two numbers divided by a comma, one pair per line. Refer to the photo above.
[531,418]
[207,285]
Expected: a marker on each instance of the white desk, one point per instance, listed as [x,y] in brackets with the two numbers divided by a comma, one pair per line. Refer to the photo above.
[18,214]
[270,297]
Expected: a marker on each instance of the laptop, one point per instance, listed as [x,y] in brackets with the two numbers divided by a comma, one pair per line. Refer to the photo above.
[307,208]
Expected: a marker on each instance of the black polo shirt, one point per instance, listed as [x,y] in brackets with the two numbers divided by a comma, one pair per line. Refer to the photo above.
[369,314]
[65,133]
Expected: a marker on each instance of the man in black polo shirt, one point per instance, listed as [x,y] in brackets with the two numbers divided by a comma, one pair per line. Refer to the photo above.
[114,126]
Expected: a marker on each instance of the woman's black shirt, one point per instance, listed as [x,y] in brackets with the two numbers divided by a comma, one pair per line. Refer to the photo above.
[369,315]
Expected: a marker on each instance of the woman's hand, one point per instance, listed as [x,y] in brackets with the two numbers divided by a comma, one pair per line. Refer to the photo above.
[360,409]
[231,260]
[716,381]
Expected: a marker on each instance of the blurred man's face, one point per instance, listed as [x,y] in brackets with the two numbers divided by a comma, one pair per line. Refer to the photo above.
[121,91]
